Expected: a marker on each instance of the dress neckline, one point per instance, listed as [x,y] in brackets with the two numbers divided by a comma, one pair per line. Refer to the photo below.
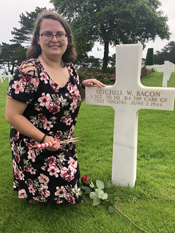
[60,87]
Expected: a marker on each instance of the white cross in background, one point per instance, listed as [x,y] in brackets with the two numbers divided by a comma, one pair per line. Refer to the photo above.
[168,68]
[127,96]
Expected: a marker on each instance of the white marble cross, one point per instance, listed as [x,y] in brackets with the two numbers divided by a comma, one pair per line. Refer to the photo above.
[168,68]
[127,96]
[1,78]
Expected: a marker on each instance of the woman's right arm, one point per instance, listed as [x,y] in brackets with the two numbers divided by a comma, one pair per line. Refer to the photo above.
[14,116]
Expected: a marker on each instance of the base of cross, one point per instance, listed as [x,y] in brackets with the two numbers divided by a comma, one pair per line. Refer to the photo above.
[127,96]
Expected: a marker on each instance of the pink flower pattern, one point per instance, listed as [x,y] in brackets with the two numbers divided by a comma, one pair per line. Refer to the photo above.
[45,100]
[43,179]
[53,171]
[68,173]
[53,108]
[44,175]
[22,193]
[18,86]
[61,191]
[31,155]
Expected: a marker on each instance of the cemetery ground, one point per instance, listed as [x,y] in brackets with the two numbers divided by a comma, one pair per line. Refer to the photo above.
[150,204]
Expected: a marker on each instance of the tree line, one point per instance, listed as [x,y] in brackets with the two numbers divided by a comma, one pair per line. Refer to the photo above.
[166,54]
[109,22]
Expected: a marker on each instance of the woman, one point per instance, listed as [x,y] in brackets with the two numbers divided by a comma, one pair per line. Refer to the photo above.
[43,101]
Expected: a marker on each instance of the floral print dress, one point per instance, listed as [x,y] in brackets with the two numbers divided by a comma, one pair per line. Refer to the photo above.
[43,175]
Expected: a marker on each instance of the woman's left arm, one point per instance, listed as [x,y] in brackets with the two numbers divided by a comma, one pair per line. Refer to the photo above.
[89,83]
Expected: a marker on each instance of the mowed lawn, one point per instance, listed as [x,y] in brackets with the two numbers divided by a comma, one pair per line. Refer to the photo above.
[150,204]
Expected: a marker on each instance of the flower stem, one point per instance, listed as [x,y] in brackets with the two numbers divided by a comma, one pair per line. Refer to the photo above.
[129,219]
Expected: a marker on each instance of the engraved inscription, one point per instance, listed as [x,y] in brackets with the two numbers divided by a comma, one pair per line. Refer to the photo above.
[129,97]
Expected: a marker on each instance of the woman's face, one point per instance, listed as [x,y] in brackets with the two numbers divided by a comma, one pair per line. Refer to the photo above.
[50,45]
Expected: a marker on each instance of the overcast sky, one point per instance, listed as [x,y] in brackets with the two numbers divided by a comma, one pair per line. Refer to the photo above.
[10,11]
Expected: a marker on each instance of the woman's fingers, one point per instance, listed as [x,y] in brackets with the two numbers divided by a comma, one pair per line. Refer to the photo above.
[92,82]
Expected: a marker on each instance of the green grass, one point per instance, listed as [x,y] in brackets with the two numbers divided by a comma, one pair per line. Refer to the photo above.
[150,204]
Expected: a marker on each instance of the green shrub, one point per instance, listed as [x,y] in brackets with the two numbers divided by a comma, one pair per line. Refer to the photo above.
[149,57]
[145,71]
[107,77]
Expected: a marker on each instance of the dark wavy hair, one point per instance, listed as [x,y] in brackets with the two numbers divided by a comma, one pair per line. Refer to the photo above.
[35,50]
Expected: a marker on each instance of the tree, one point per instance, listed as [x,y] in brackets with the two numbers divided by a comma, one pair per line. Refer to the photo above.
[112,60]
[113,22]
[166,54]
[88,61]
[11,55]
[149,57]
[24,33]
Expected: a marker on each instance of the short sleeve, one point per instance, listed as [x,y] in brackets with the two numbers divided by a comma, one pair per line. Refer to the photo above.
[24,85]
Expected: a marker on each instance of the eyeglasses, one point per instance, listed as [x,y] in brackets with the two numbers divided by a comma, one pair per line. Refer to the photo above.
[47,36]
